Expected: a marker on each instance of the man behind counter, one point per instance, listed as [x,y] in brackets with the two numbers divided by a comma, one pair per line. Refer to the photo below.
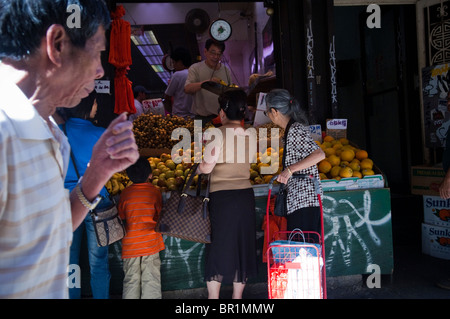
[205,104]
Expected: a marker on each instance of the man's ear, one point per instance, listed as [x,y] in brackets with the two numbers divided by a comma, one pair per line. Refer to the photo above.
[56,42]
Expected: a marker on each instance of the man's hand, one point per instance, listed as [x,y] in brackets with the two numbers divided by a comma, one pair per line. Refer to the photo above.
[444,189]
[116,149]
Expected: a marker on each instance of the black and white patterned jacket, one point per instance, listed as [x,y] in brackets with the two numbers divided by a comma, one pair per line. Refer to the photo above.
[298,145]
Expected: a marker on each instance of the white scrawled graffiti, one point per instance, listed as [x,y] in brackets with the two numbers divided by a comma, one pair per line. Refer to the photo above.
[174,251]
[333,72]
[310,51]
[343,244]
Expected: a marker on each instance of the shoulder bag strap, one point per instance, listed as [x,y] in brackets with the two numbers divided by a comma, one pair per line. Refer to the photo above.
[72,156]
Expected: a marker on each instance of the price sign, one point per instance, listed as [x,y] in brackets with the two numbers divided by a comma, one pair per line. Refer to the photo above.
[337,128]
[316,132]
[337,124]
[102,86]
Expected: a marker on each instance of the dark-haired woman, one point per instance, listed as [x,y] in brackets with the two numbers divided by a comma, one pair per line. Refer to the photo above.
[231,256]
[301,156]
[82,135]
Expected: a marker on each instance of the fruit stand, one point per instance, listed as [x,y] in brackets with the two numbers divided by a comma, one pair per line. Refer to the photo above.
[356,205]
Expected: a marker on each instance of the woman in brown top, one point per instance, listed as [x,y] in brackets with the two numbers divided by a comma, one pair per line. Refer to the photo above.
[231,256]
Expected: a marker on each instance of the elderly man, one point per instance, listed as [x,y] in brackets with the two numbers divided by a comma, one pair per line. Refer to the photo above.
[47,62]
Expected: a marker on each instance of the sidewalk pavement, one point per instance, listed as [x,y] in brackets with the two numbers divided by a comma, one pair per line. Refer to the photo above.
[414,277]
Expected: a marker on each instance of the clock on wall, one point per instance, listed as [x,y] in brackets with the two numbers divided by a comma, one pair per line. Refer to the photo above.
[167,63]
[220,30]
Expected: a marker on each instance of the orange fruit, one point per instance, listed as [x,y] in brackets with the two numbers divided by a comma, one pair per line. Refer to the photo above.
[343,141]
[361,154]
[322,176]
[347,155]
[335,171]
[329,151]
[357,174]
[345,172]
[367,171]
[334,160]
[354,166]
[366,163]
[328,138]
[324,166]
[337,146]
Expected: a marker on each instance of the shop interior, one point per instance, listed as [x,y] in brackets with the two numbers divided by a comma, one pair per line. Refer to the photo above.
[376,69]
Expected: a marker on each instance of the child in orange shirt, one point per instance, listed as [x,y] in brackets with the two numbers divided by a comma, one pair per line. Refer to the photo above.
[139,205]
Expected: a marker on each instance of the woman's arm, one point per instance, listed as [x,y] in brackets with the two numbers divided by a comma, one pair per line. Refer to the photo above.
[312,159]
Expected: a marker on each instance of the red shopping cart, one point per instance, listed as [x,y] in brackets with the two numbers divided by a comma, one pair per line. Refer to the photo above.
[296,267]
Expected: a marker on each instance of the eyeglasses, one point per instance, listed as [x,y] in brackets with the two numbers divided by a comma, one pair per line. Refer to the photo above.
[266,113]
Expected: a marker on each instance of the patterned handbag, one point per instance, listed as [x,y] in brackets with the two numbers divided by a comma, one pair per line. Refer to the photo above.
[108,226]
[186,216]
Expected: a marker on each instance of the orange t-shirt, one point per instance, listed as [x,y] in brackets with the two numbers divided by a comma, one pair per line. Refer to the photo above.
[139,205]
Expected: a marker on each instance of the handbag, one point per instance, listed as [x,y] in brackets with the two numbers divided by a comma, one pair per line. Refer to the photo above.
[280,208]
[186,216]
[108,226]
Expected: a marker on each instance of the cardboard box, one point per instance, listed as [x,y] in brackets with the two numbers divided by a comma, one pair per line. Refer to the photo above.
[425,180]
[436,241]
[436,211]
[350,183]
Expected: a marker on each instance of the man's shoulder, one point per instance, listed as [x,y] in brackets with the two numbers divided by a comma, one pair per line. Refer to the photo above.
[180,75]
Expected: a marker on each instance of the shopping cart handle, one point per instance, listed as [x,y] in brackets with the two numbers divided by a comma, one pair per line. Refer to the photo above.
[272,180]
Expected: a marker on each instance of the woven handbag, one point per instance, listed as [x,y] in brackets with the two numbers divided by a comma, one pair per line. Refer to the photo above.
[186,216]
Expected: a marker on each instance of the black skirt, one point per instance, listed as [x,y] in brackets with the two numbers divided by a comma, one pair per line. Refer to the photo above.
[306,218]
[231,256]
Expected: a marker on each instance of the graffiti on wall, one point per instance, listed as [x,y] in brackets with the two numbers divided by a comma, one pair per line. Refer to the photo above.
[185,259]
[350,229]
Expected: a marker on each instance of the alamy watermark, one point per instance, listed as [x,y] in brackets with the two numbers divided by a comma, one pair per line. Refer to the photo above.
[245,141]
[374,19]
[374,279]
[74,19]
[74,278]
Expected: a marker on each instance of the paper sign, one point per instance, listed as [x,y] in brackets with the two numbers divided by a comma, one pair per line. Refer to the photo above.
[337,128]
[316,132]
[337,124]
[102,86]
[260,118]
[154,106]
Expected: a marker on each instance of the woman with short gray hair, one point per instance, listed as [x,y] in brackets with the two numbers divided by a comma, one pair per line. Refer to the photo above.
[301,154]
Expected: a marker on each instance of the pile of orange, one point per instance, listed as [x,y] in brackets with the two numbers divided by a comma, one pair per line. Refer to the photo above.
[343,160]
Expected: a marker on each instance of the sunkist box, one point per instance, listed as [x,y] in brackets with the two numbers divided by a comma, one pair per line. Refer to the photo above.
[436,241]
[425,180]
[436,211]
